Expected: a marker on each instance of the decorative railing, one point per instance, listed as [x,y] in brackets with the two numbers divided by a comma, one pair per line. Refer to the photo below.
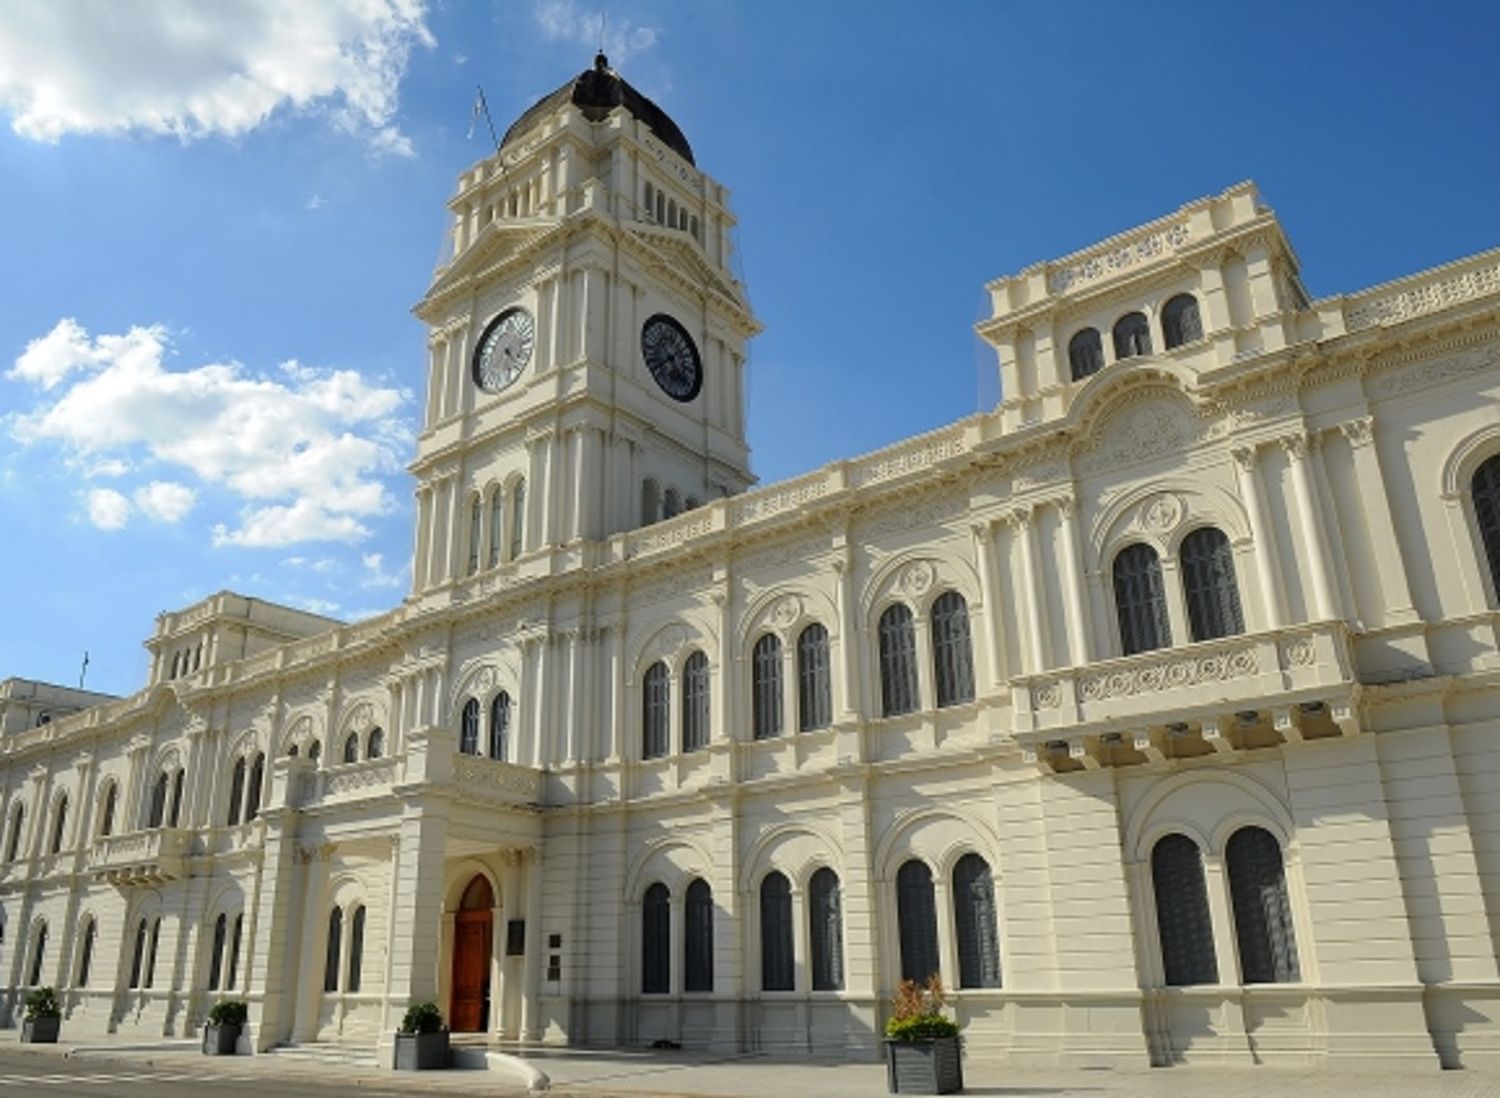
[1126,252]
[141,857]
[354,780]
[496,782]
[1467,280]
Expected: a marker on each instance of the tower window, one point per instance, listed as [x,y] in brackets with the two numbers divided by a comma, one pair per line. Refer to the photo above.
[1132,336]
[468,734]
[695,702]
[517,519]
[1085,353]
[671,504]
[1180,322]
[650,502]
[650,195]
[499,725]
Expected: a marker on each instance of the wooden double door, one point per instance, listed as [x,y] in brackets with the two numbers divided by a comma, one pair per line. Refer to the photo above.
[473,949]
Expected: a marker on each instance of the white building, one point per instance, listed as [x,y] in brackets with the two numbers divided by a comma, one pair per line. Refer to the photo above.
[1158,709]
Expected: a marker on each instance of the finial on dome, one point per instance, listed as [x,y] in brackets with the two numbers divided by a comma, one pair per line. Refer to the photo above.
[601,63]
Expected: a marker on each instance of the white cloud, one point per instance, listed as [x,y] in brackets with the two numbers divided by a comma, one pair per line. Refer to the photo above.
[376,575]
[564,21]
[108,510]
[193,69]
[316,202]
[326,607]
[110,467]
[164,501]
[303,450]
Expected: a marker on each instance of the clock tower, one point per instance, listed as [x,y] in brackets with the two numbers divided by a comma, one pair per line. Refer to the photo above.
[586,339]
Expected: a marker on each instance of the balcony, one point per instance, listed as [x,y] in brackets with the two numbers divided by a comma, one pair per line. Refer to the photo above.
[1237,693]
[141,857]
[491,782]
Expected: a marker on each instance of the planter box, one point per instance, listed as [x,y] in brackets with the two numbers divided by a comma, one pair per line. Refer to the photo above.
[421,1051]
[40,1031]
[220,1040]
[933,1066]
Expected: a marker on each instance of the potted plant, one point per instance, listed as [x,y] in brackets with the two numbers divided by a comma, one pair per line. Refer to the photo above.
[43,1017]
[221,1033]
[922,1054]
[422,1040]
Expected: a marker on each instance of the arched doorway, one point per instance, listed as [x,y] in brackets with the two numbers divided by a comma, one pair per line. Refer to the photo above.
[473,938]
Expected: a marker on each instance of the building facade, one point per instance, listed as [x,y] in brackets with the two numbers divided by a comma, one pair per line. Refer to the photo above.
[1157,710]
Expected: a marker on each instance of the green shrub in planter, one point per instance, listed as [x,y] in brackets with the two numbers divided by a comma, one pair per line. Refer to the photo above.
[226,1021]
[922,1053]
[422,1040]
[43,1017]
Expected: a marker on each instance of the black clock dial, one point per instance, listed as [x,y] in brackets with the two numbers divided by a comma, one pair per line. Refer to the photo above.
[672,357]
[504,350]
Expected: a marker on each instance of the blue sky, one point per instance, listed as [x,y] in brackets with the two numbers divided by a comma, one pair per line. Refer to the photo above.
[217,216]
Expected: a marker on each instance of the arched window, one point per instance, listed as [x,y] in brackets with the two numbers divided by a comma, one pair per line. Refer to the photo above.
[150,980]
[497,526]
[765,687]
[695,702]
[138,956]
[650,194]
[1486,492]
[39,956]
[1085,353]
[952,652]
[656,701]
[974,922]
[176,814]
[698,938]
[671,504]
[776,961]
[650,502]
[1213,597]
[236,791]
[13,844]
[86,950]
[351,747]
[335,945]
[656,941]
[476,531]
[1132,336]
[216,958]
[825,917]
[468,730]
[356,949]
[1182,920]
[898,663]
[661,208]
[376,743]
[814,687]
[234,952]
[107,817]
[1140,600]
[252,794]
[1262,912]
[158,811]
[1180,322]
[692,503]
[59,823]
[500,726]
[315,750]
[916,914]
[517,519]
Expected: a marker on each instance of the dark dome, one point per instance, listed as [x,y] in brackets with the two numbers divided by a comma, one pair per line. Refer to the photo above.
[596,92]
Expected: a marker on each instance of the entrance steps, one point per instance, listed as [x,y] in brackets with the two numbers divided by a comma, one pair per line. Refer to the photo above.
[327,1053]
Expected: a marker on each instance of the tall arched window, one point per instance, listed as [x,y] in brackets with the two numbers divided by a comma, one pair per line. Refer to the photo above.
[1485,489]
[777,967]
[517,519]
[916,916]
[1085,353]
[468,729]
[898,662]
[315,750]
[86,950]
[1180,322]
[356,949]
[974,922]
[234,951]
[698,938]
[500,726]
[176,815]
[1132,336]
[13,843]
[765,687]
[1262,912]
[497,526]
[252,793]
[656,940]
[650,502]
[814,687]
[825,916]
[158,810]
[236,791]
[1182,919]
[59,823]
[38,956]
[335,946]
[1140,601]
[351,747]
[216,958]
[656,702]
[375,744]
[1213,597]
[476,531]
[138,955]
[150,980]
[671,504]
[952,652]
[107,816]
[695,702]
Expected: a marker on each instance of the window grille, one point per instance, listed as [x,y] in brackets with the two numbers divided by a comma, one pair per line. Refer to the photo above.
[234,951]
[916,914]
[1132,336]
[236,791]
[376,742]
[898,662]
[1182,920]
[216,959]
[952,652]
[158,810]
[60,824]
[335,945]
[1262,912]
[252,794]
[86,962]
[776,960]
[517,518]
[351,748]
[1180,322]
[107,824]
[656,941]
[695,702]
[1486,492]
[1085,353]
[826,930]
[41,953]
[1140,600]
[500,726]
[698,941]
[497,526]
[765,687]
[1208,581]
[468,729]
[138,956]
[814,688]
[356,949]
[974,922]
[655,705]
[476,530]
[177,797]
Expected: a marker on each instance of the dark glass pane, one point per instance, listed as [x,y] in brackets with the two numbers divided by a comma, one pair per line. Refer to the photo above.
[158,801]
[151,953]
[356,949]
[351,748]
[898,662]
[41,953]
[138,957]
[500,726]
[1085,354]
[13,846]
[814,688]
[468,729]
[974,920]
[698,942]
[826,916]
[177,797]
[87,961]
[1486,491]
[236,791]
[695,702]
[1262,912]
[331,959]
[1180,322]
[656,941]
[1182,920]
[776,961]
[765,687]
[916,912]
[1140,600]
[107,827]
[234,951]
[59,824]
[216,960]
[952,652]
[1132,336]
[376,746]
[655,699]
[252,795]
[1208,581]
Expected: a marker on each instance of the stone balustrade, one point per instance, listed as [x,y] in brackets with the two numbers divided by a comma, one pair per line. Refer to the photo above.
[141,857]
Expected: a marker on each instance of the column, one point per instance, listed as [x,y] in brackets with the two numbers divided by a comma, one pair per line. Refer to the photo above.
[847,699]
[984,552]
[419,908]
[581,497]
[308,988]
[720,727]
[1073,593]
[1266,572]
[1297,447]
[541,691]
[268,915]
[535,944]
[613,745]
[1390,562]
[1035,643]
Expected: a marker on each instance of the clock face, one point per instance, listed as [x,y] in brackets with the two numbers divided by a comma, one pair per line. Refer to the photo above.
[504,350]
[671,357]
